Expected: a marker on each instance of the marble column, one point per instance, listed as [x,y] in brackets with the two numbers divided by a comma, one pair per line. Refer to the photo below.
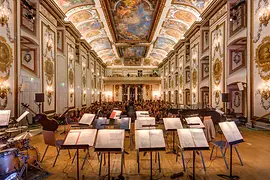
[136,93]
[128,93]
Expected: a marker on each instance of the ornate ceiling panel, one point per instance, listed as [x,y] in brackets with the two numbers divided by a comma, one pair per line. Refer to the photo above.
[132,20]
[132,32]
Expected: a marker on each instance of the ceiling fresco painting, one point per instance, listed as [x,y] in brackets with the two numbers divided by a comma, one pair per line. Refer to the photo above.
[132,36]
[135,51]
[132,20]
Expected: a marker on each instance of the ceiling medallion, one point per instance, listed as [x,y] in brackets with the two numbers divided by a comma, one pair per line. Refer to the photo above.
[263,58]
[194,78]
[217,71]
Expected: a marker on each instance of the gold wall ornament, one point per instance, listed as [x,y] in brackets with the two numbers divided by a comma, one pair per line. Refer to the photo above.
[49,94]
[194,78]
[263,58]
[217,71]
[217,97]
[49,71]
[6,59]
[194,97]
[265,16]
[181,81]
[71,77]
[264,92]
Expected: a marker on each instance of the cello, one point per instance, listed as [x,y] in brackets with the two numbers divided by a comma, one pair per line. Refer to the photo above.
[47,124]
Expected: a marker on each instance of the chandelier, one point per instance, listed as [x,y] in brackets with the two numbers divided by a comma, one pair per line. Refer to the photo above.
[4,14]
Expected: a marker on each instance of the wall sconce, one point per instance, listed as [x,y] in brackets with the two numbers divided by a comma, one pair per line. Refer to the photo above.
[4,14]
[264,92]
[4,90]
[49,93]
[84,95]
[264,17]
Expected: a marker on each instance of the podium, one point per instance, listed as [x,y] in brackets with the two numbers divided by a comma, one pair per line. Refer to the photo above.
[192,140]
[149,141]
[110,141]
[233,136]
[79,139]
[172,124]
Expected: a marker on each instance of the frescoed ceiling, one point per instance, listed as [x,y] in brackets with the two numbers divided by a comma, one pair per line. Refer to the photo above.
[132,32]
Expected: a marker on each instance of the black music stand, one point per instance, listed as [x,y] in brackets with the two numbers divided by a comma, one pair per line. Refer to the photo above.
[233,136]
[39,99]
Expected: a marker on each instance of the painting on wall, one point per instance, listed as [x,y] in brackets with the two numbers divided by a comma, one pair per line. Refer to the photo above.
[84,80]
[71,75]
[136,51]
[132,61]
[187,76]
[188,97]
[132,19]
[237,60]
[28,16]
[48,56]
[205,71]
[236,100]
[28,59]
[201,4]
[237,17]
[60,40]
[205,40]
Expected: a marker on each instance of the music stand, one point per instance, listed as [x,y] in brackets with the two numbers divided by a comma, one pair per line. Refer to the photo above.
[4,117]
[172,124]
[192,140]
[233,136]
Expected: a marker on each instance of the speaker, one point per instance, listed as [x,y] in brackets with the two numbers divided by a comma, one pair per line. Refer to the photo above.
[225,97]
[39,97]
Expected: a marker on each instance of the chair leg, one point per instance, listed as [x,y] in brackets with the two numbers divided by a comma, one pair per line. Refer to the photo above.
[100,164]
[224,157]
[85,158]
[159,162]
[104,159]
[138,161]
[74,156]
[44,153]
[69,154]
[213,147]
[156,157]
[58,152]
[98,156]
[122,162]
[183,161]
[203,161]
[238,156]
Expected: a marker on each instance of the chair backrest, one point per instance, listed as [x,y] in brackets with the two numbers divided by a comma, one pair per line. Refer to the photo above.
[49,138]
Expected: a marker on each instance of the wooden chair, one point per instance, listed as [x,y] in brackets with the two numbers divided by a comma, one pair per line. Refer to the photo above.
[50,140]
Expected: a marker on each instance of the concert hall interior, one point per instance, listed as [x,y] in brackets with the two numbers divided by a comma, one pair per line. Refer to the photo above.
[134,89]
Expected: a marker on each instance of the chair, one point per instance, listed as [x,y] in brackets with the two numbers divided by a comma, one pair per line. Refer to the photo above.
[50,140]
[224,145]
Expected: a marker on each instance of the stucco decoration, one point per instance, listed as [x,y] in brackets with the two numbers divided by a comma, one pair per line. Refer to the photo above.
[217,71]
[6,59]
[263,58]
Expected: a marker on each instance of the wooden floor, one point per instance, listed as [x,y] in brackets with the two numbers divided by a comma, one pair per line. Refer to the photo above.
[255,152]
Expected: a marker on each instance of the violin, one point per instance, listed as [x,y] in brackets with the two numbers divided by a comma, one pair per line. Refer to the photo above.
[47,124]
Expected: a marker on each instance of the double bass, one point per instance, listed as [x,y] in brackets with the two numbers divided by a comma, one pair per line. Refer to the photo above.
[47,124]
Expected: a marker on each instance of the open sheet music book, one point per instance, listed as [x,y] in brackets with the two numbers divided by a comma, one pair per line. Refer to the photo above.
[139,124]
[87,119]
[4,117]
[146,118]
[193,139]
[110,139]
[172,123]
[142,114]
[81,137]
[152,138]
[194,122]
[22,116]
[115,114]
[231,132]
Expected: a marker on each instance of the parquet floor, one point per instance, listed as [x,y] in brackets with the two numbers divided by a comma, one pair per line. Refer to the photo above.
[255,153]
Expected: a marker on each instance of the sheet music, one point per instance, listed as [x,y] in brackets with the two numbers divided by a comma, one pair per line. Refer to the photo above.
[172,123]
[149,138]
[115,114]
[142,114]
[87,119]
[191,138]
[146,118]
[195,120]
[139,124]
[72,138]
[22,116]
[219,111]
[110,139]
[230,131]
[4,117]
